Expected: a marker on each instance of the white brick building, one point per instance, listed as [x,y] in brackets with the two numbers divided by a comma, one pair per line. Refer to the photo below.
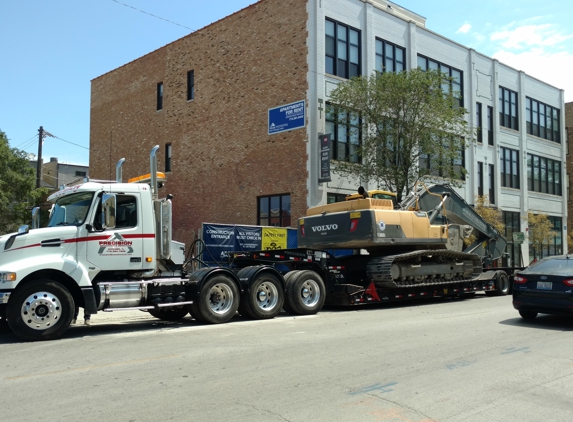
[519,160]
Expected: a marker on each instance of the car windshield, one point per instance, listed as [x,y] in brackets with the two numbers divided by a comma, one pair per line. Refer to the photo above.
[552,266]
[71,210]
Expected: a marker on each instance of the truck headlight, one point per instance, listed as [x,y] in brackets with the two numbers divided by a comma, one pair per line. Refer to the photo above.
[5,277]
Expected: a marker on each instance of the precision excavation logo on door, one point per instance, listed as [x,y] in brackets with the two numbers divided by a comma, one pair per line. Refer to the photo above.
[115,245]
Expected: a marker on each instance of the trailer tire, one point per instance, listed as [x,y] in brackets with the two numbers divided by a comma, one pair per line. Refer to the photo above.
[4,327]
[286,306]
[40,310]
[169,314]
[305,293]
[502,284]
[217,302]
[264,299]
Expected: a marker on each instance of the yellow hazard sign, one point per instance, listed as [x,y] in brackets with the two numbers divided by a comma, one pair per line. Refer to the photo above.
[274,238]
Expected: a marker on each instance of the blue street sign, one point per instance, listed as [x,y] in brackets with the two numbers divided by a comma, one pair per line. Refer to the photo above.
[287,117]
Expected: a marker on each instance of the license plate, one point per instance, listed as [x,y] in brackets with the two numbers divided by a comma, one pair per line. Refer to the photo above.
[544,285]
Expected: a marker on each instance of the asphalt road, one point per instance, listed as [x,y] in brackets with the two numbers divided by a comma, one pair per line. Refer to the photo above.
[462,360]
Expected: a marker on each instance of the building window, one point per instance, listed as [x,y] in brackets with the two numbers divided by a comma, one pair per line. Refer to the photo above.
[555,247]
[479,124]
[433,164]
[342,50]
[160,96]
[511,220]
[509,167]
[167,158]
[345,130]
[389,57]
[508,108]
[543,175]
[489,125]
[190,85]
[335,197]
[480,178]
[456,86]
[542,120]
[274,211]
[491,177]
[81,173]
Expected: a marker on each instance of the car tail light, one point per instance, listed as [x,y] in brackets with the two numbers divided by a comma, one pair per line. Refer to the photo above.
[568,282]
[519,279]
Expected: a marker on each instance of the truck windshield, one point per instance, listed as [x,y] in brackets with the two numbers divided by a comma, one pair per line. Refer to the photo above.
[71,210]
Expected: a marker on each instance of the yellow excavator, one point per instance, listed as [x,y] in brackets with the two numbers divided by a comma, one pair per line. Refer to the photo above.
[418,242]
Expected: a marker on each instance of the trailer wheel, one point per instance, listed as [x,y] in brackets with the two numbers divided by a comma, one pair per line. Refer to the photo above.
[41,310]
[286,306]
[169,314]
[265,298]
[528,314]
[217,302]
[305,293]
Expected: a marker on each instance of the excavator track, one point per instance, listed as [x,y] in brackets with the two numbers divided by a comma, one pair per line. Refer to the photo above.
[423,268]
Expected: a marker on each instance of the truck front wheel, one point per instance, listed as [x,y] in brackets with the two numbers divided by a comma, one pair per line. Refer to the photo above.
[305,293]
[217,302]
[41,310]
[265,298]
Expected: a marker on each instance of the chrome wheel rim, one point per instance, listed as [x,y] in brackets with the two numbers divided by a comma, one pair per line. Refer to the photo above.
[267,296]
[310,293]
[220,299]
[41,310]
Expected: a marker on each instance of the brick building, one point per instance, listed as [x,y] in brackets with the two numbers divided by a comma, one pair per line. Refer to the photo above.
[205,99]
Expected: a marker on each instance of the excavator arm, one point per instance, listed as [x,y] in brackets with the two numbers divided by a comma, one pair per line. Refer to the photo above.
[441,201]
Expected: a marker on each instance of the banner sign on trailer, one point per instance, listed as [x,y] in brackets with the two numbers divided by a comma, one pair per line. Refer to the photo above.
[219,241]
[287,117]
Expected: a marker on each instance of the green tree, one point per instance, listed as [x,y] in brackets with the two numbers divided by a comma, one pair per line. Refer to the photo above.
[540,232]
[411,126]
[490,213]
[18,192]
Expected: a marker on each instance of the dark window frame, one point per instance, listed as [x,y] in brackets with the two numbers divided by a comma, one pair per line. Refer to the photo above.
[542,120]
[489,118]
[388,54]
[425,63]
[544,175]
[346,131]
[509,168]
[491,177]
[512,222]
[508,108]
[332,197]
[190,85]
[168,152]
[159,96]
[342,46]
[266,203]
[480,178]
[479,123]
[426,160]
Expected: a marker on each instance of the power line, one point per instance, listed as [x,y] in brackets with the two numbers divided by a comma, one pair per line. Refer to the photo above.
[25,142]
[81,146]
[158,17]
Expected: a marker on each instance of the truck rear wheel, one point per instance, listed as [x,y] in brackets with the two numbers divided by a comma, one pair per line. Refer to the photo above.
[286,306]
[40,310]
[169,314]
[502,287]
[305,293]
[217,302]
[265,298]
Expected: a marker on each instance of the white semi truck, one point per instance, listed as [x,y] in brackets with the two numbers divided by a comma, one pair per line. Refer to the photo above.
[108,247]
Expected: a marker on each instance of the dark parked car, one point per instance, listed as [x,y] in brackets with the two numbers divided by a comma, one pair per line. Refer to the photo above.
[545,287]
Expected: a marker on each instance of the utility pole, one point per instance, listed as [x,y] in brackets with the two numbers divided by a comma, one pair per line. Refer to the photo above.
[39,163]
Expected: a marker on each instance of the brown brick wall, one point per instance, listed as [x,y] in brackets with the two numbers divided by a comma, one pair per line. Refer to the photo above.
[569,135]
[223,158]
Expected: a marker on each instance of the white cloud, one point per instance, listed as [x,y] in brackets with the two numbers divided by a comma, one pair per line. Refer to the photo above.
[540,50]
[464,29]
[553,68]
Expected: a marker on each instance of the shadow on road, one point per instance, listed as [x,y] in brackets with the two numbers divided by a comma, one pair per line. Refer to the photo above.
[543,322]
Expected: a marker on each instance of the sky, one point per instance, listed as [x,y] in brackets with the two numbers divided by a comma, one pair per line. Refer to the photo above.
[52,49]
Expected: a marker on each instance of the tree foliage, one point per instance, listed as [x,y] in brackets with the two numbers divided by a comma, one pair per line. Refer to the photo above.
[407,118]
[491,215]
[540,231]
[18,192]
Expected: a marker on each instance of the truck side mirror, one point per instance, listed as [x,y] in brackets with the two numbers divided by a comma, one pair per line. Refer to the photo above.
[108,207]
